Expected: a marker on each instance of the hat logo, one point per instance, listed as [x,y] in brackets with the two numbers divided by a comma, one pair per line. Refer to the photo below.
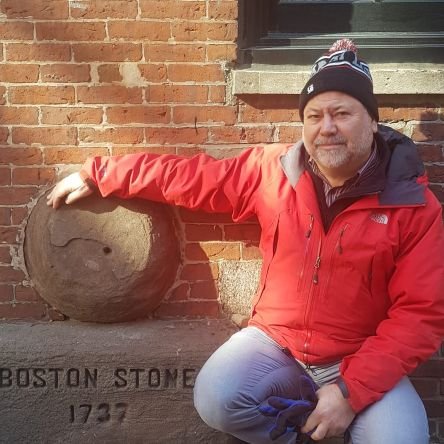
[310,89]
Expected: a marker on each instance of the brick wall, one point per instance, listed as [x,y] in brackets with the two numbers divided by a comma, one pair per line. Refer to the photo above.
[82,78]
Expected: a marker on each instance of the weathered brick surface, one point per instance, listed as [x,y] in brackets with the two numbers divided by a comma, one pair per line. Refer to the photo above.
[82,78]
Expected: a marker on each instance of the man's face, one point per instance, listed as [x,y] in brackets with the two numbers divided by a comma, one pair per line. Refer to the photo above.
[338,133]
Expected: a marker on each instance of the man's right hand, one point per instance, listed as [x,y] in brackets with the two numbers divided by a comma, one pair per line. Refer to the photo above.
[68,190]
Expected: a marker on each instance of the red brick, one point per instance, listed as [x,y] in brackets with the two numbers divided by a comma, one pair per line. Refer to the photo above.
[4,133]
[32,176]
[180,293]
[434,368]
[56,115]
[138,114]
[431,153]
[203,217]
[23,52]
[205,114]
[41,95]
[45,135]
[9,274]
[68,155]
[35,311]
[153,72]
[5,258]
[205,251]
[194,232]
[198,31]
[2,95]
[177,94]
[8,235]
[244,231]
[37,9]
[188,309]
[111,135]
[204,290]
[221,10]
[223,52]
[250,252]
[20,156]
[10,115]
[6,293]
[139,30]
[200,272]
[268,115]
[5,216]
[5,176]
[173,135]
[109,73]
[109,94]
[26,294]
[426,387]
[424,132]
[186,72]
[104,9]
[217,94]
[190,10]
[434,407]
[123,150]
[16,195]
[107,52]
[289,134]
[234,134]
[406,114]
[70,31]
[18,214]
[16,30]
[169,52]
[68,72]
[23,73]
[435,173]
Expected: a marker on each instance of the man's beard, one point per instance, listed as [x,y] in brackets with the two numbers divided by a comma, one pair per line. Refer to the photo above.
[344,154]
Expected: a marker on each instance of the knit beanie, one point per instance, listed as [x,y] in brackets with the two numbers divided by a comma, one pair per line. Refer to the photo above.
[341,70]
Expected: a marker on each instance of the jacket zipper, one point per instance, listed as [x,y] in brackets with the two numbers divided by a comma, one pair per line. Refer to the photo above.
[307,243]
[315,281]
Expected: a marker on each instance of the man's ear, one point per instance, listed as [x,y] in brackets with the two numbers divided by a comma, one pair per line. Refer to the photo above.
[374,126]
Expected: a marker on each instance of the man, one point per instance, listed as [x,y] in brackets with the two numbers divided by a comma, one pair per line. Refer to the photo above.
[353,271]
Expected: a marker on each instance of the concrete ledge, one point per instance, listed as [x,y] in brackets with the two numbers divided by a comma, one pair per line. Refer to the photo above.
[73,382]
[388,79]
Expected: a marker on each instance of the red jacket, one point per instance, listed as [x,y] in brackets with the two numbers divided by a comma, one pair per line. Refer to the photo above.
[369,291]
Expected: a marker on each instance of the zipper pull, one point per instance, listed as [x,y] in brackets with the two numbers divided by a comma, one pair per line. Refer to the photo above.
[317,265]
[339,245]
[310,227]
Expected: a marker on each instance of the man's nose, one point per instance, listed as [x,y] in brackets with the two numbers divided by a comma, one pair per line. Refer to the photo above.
[328,125]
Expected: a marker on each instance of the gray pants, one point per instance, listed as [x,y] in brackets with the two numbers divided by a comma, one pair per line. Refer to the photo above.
[250,367]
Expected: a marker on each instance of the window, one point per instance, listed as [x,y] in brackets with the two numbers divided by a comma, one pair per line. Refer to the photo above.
[297,31]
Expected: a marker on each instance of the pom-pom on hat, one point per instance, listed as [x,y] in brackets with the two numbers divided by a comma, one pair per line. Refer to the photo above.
[341,70]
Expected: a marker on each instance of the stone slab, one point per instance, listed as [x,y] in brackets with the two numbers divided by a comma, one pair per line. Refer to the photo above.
[72,382]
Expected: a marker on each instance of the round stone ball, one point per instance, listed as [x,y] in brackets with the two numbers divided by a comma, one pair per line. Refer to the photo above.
[102,259]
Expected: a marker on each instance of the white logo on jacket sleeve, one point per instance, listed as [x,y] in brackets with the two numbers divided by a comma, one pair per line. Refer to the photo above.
[380,218]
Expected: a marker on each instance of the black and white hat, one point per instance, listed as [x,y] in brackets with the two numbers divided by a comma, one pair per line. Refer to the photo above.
[341,70]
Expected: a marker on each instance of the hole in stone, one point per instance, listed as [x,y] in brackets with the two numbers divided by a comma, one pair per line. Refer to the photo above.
[107,250]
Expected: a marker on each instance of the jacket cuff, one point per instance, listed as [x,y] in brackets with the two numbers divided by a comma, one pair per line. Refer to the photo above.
[343,387]
[87,180]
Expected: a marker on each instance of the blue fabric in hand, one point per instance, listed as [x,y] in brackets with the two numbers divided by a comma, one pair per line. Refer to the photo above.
[291,414]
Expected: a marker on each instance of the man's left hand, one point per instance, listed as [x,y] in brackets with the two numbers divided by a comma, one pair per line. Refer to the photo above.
[332,415]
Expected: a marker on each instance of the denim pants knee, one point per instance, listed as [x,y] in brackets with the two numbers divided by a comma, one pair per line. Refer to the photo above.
[250,367]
